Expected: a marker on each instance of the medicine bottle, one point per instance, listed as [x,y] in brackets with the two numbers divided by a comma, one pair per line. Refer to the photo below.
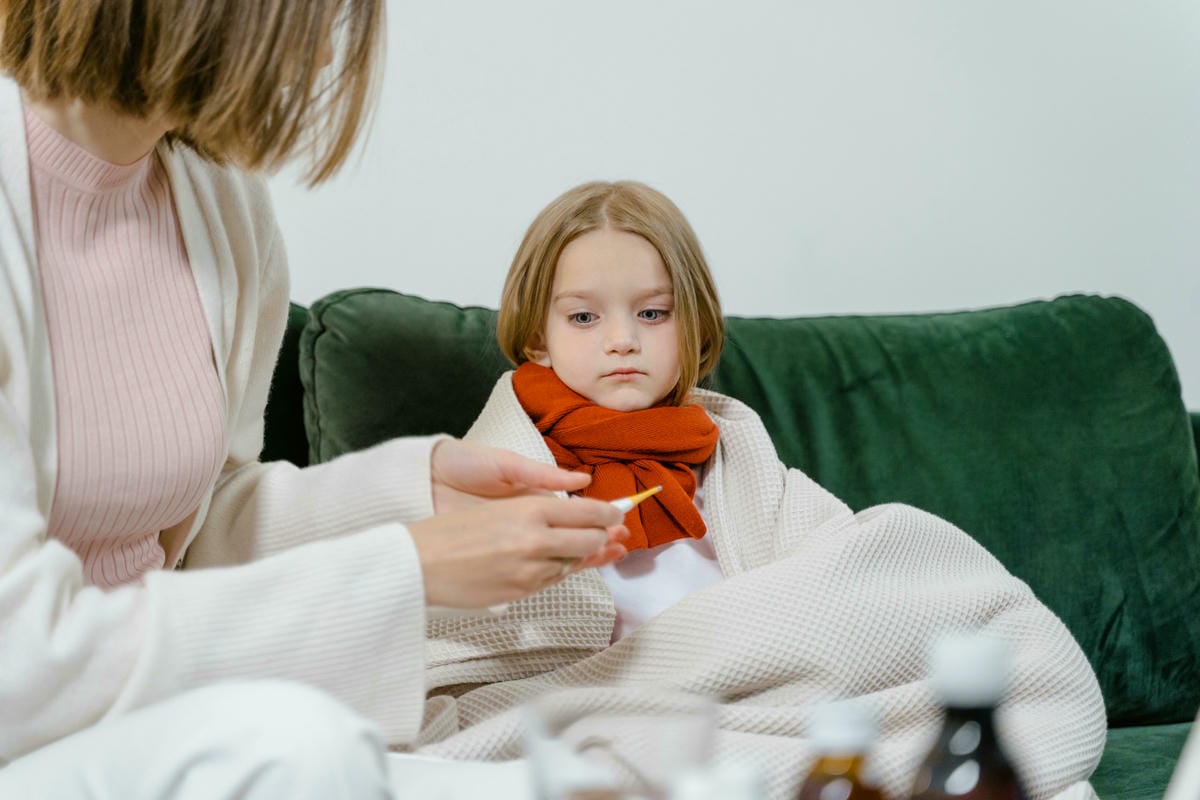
[969,674]
[843,733]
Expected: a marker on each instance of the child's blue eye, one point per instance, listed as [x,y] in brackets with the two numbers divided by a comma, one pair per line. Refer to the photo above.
[582,317]
[654,314]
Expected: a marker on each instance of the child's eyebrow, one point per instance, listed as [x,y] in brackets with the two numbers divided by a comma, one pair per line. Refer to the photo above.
[582,295]
[576,295]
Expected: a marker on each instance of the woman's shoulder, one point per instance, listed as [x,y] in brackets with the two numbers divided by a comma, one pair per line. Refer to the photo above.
[237,189]
[14,174]
[10,101]
[232,206]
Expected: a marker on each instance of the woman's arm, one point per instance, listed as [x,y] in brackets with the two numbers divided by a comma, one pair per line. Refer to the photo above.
[345,616]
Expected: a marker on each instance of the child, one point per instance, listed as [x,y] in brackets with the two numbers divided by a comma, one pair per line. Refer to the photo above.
[617,339]
[746,581]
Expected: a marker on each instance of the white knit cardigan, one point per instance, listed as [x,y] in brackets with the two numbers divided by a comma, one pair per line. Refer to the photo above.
[330,593]
[818,603]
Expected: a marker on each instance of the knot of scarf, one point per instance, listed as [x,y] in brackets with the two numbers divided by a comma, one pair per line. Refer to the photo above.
[625,452]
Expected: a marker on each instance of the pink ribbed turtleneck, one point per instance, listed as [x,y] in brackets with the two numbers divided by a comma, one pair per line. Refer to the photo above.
[140,409]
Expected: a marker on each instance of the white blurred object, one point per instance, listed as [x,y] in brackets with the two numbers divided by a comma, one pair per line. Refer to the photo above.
[844,727]
[1185,780]
[640,749]
[560,772]
[431,778]
[970,670]
[723,781]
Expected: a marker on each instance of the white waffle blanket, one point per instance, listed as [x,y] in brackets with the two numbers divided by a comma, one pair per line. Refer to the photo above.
[818,603]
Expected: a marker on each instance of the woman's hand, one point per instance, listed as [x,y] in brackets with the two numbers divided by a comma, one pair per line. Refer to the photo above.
[501,550]
[465,474]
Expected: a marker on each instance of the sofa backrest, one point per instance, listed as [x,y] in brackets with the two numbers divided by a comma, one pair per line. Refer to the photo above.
[1052,432]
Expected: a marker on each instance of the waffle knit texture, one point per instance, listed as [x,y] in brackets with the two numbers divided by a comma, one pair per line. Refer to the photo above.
[819,603]
[625,452]
[140,412]
[305,575]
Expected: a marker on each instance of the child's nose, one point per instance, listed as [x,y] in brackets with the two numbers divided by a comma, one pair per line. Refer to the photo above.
[621,339]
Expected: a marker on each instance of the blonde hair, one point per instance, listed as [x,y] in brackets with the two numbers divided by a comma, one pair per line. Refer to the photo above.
[625,206]
[240,80]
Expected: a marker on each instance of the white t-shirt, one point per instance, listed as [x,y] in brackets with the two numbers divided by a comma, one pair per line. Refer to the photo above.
[647,582]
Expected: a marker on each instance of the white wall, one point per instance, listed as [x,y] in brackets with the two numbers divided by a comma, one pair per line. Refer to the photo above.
[833,156]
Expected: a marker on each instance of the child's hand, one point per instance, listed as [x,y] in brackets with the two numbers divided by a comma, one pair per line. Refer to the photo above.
[464,474]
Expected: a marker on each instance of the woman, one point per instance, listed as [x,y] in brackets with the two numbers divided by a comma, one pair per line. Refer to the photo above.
[143,297]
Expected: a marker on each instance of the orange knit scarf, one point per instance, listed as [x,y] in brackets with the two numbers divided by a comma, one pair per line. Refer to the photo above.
[625,452]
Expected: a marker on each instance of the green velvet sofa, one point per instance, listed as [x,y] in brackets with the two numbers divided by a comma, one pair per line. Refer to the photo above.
[1053,432]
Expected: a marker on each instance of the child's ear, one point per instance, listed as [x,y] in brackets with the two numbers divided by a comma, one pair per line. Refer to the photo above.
[536,351]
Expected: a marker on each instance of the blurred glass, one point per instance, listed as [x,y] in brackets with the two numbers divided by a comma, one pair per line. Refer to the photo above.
[615,744]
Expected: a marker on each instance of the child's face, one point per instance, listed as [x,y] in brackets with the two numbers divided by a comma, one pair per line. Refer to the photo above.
[610,329]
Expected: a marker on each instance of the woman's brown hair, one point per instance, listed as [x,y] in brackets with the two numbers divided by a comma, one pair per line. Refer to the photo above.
[240,80]
[625,206]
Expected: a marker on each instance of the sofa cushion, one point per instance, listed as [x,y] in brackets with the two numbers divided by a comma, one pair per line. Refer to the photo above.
[1138,762]
[1053,432]
[376,364]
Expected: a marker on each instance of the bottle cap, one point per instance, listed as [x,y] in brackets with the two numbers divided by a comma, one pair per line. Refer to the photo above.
[970,670]
[694,784]
[737,781]
[844,728]
[721,781]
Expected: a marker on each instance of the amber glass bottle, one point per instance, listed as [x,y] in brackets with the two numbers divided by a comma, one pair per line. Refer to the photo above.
[842,733]
[968,761]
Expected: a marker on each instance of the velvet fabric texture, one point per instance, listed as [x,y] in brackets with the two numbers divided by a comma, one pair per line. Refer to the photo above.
[1054,433]
[625,452]
[375,364]
[1138,762]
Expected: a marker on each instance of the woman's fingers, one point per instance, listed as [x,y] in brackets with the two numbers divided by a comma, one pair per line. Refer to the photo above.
[571,543]
[608,554]
[579,544]
[577,512]
[524,473]
[502,550]
[462,473]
